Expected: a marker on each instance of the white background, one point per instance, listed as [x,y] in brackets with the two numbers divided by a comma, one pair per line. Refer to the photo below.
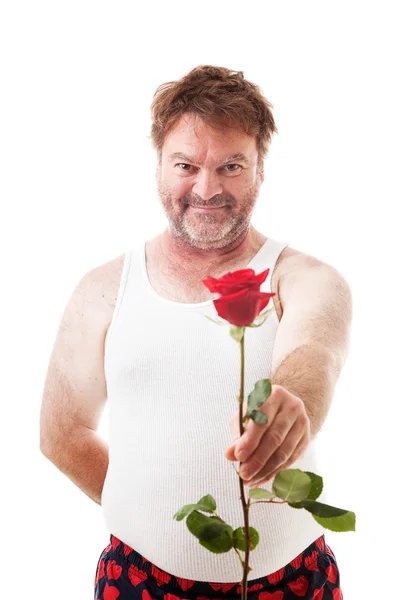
[77,187]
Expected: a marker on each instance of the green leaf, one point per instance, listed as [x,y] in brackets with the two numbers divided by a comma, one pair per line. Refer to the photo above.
[236,332]
[330,517]
[317,485]
[239,540]
[220,544]
[260,493]
[262,390]
[259,417]
[212,532]
[207,503]
[184,511]
[346,522]
[319,509]
[292,485]
[315,490]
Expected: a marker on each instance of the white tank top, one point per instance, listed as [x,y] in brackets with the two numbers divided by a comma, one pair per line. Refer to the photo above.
[173,378]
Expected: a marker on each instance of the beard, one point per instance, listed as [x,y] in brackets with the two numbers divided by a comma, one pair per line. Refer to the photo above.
[208,229]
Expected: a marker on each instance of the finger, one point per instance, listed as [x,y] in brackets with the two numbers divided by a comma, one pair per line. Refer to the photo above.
[273,439]
[296,455]
[284,453]
[234,422]
[250,439]
[230,452]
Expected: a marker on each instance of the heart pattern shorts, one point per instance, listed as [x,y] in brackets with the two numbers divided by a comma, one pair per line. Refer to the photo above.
[123,574]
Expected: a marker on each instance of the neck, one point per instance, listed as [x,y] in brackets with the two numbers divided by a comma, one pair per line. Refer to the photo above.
[180,254]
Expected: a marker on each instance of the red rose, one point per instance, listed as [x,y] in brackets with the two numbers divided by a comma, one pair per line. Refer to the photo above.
[240,298]
[235,281]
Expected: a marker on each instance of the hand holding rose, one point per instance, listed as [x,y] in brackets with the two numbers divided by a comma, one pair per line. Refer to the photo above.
[274,446]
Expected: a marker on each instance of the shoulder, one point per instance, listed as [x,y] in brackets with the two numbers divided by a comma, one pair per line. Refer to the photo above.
[101,285]
[296,267]
[291,259]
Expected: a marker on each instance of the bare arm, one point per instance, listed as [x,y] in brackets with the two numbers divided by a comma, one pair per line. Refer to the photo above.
[312,340]
[75,391]
[85,461]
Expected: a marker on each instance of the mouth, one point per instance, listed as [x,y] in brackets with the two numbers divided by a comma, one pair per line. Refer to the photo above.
[207,208]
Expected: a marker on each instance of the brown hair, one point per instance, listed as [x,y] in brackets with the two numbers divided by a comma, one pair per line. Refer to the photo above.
[221,98]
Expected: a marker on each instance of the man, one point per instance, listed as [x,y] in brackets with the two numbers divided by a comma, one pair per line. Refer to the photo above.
[134,333]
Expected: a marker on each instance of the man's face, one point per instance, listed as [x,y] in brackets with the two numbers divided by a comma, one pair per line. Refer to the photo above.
[195,172]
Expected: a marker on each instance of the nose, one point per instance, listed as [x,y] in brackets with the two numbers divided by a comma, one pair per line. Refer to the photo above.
[207,185]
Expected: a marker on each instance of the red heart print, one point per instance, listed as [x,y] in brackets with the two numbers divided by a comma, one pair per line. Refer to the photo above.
[276,577]
[331,571]
[185,583]
[300,586]
[320,543]
[146,595]
[253,588]
[110,592]
[113,570]
[100,571]
[136,576]
[225,587]
[228,586]
[296,562]
[161,576]
[268,596]
[127,549]
[115,542]
[311,562]
[169,596]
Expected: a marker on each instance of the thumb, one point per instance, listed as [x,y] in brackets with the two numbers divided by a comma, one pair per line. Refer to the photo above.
[235,432]
[231,449]
[230,452]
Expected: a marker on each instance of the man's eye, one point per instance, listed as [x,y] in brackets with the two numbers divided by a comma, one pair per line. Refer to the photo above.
[226,166]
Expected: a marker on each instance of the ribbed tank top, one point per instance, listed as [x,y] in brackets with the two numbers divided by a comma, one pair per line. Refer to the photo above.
[173,377]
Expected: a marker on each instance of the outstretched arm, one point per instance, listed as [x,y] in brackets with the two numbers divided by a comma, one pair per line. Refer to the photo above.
[313,336]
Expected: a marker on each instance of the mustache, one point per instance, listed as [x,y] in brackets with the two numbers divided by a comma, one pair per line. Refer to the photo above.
[215,201]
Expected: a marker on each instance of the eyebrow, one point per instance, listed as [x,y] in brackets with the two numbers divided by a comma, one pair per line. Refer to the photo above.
[188,159]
